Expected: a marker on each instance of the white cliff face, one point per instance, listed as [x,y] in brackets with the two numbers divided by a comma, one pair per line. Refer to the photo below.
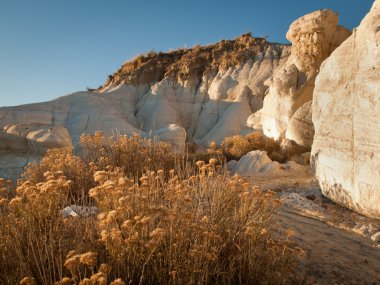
[314,37]
[215,108]
[201,94]
[346,116]
[209,107]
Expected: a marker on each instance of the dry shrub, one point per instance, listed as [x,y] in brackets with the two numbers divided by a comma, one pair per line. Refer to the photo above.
[199,226]
[207,229]
[34,236]
[233,148]
[134,155]
[71,166]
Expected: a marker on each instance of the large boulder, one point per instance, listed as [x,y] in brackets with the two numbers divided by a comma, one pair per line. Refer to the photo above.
[301,128]
[42,139]
[253,162]
[314,37]
[346,117]
[257,163]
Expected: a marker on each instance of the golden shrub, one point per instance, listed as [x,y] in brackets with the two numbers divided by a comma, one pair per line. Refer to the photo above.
[160,221]
[235,147]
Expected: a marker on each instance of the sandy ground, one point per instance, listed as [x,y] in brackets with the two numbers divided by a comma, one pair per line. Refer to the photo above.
[337,241]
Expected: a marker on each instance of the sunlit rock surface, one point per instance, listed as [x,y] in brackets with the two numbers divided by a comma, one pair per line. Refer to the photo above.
[314,37]
[258,163]
[346,116]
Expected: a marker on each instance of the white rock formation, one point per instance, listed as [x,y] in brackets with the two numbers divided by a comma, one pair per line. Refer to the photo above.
[314,37]
[300,128]
[21,144]
[346,117]
[213,105]
[257,163]
[204,93]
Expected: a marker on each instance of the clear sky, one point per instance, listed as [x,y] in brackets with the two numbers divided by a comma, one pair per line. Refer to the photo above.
[50,48]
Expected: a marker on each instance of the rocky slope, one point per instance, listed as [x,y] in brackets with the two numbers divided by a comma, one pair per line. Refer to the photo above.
[346,116]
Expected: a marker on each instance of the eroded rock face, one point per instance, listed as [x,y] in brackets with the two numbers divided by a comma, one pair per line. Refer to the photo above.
[346,116]
[300,128]
[209,91]
[24,143]
[314,37]
[204,94]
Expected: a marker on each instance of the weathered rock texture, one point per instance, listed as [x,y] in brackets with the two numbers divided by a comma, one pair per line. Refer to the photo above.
[346,116]
[314,37]
[300,128]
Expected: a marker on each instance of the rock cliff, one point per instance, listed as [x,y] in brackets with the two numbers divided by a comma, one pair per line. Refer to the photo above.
[346,116]
[314,37]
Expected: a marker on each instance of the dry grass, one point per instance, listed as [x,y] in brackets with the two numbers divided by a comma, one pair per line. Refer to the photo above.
[236,146]
[160,221]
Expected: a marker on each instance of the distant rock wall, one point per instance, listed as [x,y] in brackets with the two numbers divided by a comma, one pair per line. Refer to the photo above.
[346,116]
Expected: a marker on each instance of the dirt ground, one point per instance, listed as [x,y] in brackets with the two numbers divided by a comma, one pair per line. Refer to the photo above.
[337,241]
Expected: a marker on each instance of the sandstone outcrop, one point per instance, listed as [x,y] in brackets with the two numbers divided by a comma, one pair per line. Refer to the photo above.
[300,128]
[314,37]
[346,116]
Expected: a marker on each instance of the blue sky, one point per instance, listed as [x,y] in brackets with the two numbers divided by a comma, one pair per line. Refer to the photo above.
[50,48]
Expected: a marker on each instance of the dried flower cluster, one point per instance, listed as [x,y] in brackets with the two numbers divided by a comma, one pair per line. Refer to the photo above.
[160,221]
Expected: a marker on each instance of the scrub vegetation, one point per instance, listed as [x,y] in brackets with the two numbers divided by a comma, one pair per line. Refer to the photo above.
[160,219]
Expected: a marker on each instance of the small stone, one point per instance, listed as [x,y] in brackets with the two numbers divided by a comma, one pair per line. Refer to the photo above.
[376,237]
